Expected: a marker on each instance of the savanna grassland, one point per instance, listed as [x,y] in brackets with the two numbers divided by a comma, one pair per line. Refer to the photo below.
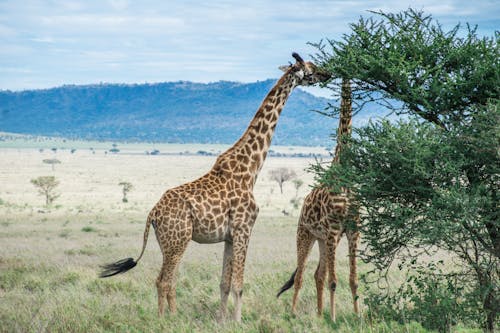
[50,256]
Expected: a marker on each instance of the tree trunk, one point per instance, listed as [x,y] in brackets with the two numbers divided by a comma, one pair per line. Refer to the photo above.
[490,307]
[490,303]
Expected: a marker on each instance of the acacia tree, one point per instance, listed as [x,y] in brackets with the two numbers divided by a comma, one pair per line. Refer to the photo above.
[126,187]
[408,58]
[281,175]
[52,162]
[430,184]
[46,186]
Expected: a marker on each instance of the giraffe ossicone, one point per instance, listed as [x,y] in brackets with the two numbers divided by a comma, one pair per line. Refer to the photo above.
[220,206]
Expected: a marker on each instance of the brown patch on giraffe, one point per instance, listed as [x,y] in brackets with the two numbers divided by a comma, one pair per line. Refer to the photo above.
[324,218]
[219,206]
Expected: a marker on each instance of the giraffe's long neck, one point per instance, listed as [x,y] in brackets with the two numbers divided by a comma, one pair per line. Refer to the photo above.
[345,121]
[247,155]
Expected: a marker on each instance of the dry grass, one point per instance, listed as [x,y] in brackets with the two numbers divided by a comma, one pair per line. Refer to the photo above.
[49,257]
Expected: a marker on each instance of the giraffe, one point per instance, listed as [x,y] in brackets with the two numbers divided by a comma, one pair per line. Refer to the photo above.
[220,206]
[325,217]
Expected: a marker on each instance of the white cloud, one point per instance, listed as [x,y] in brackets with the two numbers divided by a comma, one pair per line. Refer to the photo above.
[43,39]
[119,4]
[122,41]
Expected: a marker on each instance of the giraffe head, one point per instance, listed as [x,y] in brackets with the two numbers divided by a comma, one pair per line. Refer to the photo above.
[306,72]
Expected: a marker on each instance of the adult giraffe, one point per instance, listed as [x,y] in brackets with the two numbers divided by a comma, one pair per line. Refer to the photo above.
[220,206]
[325,218]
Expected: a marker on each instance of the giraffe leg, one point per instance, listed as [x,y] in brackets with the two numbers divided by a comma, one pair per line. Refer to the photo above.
[225,284]
[331,247]
[353,239]
[166,280]
[320,276]
[162,292]
[305,241]
[240,245]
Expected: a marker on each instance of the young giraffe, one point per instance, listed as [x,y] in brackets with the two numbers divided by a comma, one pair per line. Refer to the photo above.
[220,206]
[324,217]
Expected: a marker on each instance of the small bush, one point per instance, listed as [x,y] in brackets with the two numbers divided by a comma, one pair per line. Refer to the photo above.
[88,229]
[428,296]
[64,234]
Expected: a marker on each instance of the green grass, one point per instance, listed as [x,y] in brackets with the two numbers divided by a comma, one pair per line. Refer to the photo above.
[53,286]
[50,258]
[46,299]
[88,229]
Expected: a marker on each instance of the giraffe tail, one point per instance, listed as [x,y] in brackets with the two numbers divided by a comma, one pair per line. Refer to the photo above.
[288,284]
[121,266]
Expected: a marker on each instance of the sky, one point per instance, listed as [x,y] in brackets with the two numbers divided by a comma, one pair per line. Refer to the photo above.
[48,43]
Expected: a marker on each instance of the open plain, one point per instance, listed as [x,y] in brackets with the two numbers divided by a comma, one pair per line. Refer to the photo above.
[50,255]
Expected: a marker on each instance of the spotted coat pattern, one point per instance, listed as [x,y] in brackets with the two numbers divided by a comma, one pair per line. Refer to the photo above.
[220,206]
[325,217]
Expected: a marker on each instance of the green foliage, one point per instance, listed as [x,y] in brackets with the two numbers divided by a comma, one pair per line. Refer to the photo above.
[408,57]
[295,201]
[424,190]
[126,187]
[382,166]
[88,229]
[46,186]
[428,296]
[428,185]
[51,161]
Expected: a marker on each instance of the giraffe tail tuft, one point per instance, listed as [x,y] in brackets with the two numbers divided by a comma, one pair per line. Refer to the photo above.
[121,266]
[287,284]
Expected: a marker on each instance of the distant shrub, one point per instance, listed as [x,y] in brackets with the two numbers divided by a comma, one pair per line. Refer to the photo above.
[126,187]
[203,153]
[46,186]
[64,234]
[281,175]
[51,161]
[88,229]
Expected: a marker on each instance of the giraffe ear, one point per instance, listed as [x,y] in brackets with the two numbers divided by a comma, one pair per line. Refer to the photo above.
[284,68]
[300,74]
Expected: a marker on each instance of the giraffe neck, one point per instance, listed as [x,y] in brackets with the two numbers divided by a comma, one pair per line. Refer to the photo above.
[246,157]
[345,121]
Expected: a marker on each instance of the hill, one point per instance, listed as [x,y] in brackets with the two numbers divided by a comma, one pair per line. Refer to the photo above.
[174,112]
